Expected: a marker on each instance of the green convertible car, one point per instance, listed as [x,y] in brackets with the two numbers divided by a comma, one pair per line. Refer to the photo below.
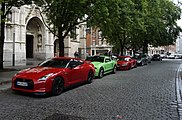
[103,65]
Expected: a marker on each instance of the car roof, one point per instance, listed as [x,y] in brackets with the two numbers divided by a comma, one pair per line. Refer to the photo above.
[66,58]
[124,56]
[99,56]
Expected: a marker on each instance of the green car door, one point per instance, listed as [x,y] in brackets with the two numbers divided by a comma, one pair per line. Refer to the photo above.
[108,65]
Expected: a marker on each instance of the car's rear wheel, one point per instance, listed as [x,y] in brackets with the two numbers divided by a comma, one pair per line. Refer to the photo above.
[57,86]
[146,62]
[101,73]
[141,64]
[90,77]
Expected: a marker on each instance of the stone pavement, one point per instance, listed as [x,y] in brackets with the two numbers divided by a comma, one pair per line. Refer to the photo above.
[7,74]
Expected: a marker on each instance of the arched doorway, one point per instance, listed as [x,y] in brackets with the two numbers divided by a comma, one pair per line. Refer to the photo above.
[29,46]
[56,48]
[34,39]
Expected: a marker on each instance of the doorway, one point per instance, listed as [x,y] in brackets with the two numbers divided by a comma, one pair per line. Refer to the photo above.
[29,46]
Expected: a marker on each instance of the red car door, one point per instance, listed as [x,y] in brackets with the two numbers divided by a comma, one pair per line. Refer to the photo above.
[75,72]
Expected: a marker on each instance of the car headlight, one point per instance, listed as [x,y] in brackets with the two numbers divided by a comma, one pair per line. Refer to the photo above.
[45,77]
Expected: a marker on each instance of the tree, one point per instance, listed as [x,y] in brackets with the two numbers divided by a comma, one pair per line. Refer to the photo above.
[64,16]
[137,23]
[116,21]
[6,6]
[160,22]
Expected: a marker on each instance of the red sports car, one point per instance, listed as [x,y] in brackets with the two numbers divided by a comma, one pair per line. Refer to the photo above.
[53,75]
[126,63]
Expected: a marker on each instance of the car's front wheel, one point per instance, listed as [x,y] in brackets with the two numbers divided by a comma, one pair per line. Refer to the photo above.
[114,70]
[90,77]
[101,73]
[129,66]
[57,86]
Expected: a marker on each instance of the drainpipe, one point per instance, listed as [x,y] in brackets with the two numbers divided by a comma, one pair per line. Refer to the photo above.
[13,57]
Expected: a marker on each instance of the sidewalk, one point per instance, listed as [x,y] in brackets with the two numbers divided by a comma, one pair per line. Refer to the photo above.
[7,74]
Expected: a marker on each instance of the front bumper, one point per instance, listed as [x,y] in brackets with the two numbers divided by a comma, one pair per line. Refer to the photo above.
[31,86]
[120,67]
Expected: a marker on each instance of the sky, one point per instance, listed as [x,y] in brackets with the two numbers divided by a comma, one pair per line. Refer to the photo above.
[179,21]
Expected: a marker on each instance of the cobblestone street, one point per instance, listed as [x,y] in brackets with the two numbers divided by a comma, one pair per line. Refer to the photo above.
[142,93]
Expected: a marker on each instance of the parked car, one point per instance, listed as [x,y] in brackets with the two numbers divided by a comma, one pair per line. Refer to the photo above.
[103,65]
[178,56]
[171,56]
[126,63]
[164,55]
[149,58]
[53,75]
[156,57]
[141,59]
[114,57]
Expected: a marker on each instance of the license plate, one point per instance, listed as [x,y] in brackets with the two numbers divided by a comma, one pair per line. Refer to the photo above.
[22,83]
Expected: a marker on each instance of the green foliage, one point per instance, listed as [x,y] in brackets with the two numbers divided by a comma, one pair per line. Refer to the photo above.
[137,23]
[64,16]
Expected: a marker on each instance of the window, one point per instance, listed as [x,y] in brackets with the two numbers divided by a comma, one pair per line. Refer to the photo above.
[57,63]
[95,59]
[73,33]
[75,63]
[107,60]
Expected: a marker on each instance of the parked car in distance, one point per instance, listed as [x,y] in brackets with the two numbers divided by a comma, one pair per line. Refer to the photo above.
[163,55]
[102,64]
[141,59]
[149,58]
[156,57]
[126,63]
[53,75]
[178,56]
[171,56]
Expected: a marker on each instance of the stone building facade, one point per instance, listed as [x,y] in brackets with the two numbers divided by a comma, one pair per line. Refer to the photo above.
[95,44]
[28,41]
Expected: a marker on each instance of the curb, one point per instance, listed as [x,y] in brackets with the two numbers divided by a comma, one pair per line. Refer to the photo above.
[179,91]
[4,86]
[5,82]
[10,69]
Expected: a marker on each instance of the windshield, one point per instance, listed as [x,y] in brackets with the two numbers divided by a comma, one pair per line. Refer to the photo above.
[124,59]
[138,57]
[95,59]
[57,63]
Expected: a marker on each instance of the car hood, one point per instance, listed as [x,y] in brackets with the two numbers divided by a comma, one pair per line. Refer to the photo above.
[121,62]
[37,72]
[96,63]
